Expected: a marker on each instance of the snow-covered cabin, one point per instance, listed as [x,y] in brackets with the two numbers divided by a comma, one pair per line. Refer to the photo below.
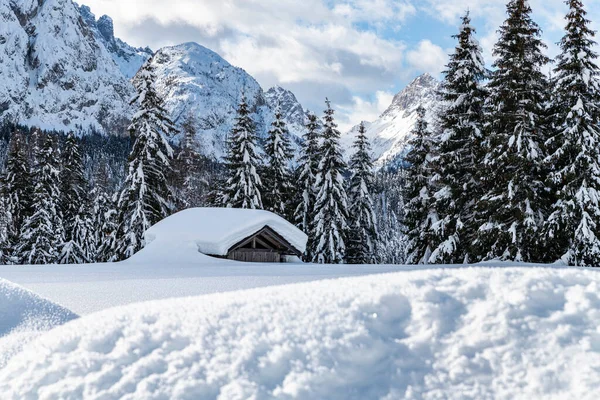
[235,234]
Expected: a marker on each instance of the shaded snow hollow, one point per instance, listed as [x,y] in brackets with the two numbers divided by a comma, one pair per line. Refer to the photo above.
[472,333]
[23,315]
[184,235]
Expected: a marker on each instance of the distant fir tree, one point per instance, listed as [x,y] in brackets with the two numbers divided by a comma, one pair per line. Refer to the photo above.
[419,214]
[363,236]
[331,220]
[42,234]
[18,186]
[78,247]
[460,152]
[277,174]
[389,209]
[146,197]
[5,220]
[106,218]
[192,186]
[243,187]
[515,202]
[308,168]
[573,227]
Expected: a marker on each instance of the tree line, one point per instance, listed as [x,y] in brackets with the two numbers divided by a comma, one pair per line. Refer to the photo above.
[511,172]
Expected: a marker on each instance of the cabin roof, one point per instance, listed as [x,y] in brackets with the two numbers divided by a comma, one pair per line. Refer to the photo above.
[215,231]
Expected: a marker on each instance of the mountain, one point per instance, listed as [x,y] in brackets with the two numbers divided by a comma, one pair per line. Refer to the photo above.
[129,59]
[55,73]
[200,85]
[293,113]
[391,131]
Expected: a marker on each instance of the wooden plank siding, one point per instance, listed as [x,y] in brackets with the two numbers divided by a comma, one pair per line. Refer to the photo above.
[265,246]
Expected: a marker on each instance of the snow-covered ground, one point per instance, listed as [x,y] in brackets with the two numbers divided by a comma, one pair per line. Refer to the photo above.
[464,333]
[89,288]
[24,316]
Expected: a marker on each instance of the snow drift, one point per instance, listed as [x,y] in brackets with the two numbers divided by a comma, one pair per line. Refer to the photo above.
[23,315]
[472,333]
[188,235]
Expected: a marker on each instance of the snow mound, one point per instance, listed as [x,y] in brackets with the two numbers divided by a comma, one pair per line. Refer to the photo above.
[473,333]
[23,316]
[190,234]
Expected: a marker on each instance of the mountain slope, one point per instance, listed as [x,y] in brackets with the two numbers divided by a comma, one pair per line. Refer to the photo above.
[55,73]
[200,85]
[390,133]
[128,58]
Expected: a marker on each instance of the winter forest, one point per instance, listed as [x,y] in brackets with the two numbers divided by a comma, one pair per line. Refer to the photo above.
[509,170]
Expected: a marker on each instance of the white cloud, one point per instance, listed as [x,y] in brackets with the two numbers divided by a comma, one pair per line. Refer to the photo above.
[427,57]
[363,110]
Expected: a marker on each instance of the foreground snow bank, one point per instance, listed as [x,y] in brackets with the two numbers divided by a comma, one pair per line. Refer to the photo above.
[23,316]
[473,333]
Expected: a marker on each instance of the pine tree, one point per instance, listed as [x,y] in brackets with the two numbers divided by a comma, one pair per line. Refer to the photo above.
[243,187]
[18,186]
[75,206]
[573,227]
[514,203]
[277,173]
[43,234]
[191,184]
[418,192]
[363,237]
[331,221]
[146,197]
[460,152]
[106,227]
[308,167]
[5,221]
[389,209]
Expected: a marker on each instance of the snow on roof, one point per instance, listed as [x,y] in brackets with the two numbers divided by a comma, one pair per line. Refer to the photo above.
[213,231]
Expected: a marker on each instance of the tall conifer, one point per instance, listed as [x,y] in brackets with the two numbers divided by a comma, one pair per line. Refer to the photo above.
[146,197]
[331,220]
[363,236]
[515,199]
[277,175]
[572,231]
[460,153]
[243,187]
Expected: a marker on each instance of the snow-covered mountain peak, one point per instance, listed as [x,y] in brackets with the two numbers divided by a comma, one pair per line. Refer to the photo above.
[200,85]
[390,133]
[422,90]
[55,73]
[291,109]
[128,58]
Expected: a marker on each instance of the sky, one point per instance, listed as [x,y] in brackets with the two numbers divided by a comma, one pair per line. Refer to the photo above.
[359,53]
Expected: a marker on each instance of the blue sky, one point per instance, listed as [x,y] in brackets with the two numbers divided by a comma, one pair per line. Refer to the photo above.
[359,53]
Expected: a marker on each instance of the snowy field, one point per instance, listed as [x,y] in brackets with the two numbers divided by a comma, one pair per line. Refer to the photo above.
[462,333]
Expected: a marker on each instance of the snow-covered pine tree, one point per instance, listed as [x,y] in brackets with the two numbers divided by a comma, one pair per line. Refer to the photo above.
[459,153]
[42,234]
[106,217]
[18,186]
[75,207]
[192,186]
[514,203]
[331,220]
[277,175]
[146,197]
[363,236]
[572,230]
[243,186]
[419,214]
[5,221]
[389,209]
[308,168]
